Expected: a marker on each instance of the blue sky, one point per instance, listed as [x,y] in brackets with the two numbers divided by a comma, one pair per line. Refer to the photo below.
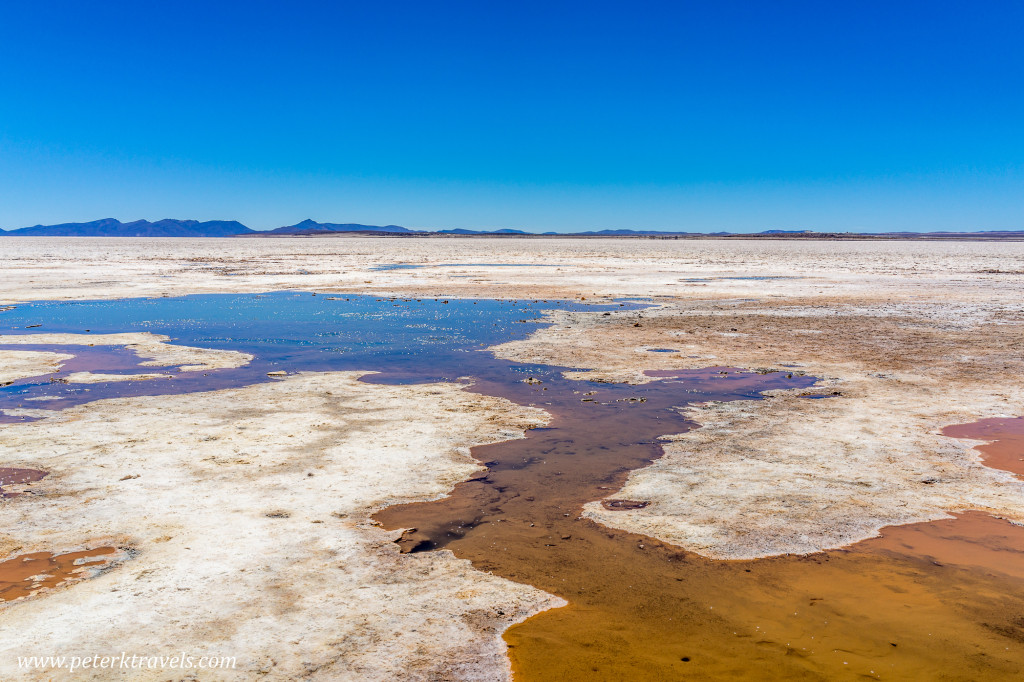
[861,116]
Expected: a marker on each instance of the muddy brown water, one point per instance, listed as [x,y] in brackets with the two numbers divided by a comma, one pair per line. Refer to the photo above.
[26,574]
[1005,449]
[941,600]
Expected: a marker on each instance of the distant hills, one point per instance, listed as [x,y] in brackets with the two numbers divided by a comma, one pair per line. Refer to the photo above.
[109,227]
[504,231]
[312,227]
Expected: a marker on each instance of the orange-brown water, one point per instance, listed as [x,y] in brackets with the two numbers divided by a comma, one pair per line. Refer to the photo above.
[940,600]
[1006,447]
[26,574]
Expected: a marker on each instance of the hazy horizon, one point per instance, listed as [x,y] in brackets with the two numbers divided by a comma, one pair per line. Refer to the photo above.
[527,232]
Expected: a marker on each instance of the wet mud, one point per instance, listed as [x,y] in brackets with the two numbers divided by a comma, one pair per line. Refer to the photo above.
[26,574]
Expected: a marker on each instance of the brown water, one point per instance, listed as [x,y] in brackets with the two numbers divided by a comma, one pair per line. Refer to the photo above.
[942,600]
[1006,447]
[597,435]
[26,574]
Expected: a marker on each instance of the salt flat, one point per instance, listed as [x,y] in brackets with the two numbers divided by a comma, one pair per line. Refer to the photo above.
[916,334]
[908,337]
[70,268]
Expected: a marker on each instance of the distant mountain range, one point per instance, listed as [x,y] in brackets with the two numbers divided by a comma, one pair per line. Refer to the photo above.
[312,227]
[109,227]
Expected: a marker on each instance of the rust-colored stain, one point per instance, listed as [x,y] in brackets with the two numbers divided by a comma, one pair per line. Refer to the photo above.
[24,575]
[10,476]
[939,600]
[1006,447]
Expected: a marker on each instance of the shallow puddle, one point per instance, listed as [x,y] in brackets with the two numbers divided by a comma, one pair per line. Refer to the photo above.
[26,574]
[406,340]
[1005,449]
[13,477]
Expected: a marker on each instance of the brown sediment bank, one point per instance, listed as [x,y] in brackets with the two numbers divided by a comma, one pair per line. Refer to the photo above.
[1006,447]
[26,574]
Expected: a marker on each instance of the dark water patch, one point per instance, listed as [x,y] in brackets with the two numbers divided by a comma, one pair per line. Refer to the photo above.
[14,477]
[662,350]
[396,266]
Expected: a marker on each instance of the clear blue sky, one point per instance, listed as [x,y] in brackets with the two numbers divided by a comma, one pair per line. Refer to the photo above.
[742,116]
